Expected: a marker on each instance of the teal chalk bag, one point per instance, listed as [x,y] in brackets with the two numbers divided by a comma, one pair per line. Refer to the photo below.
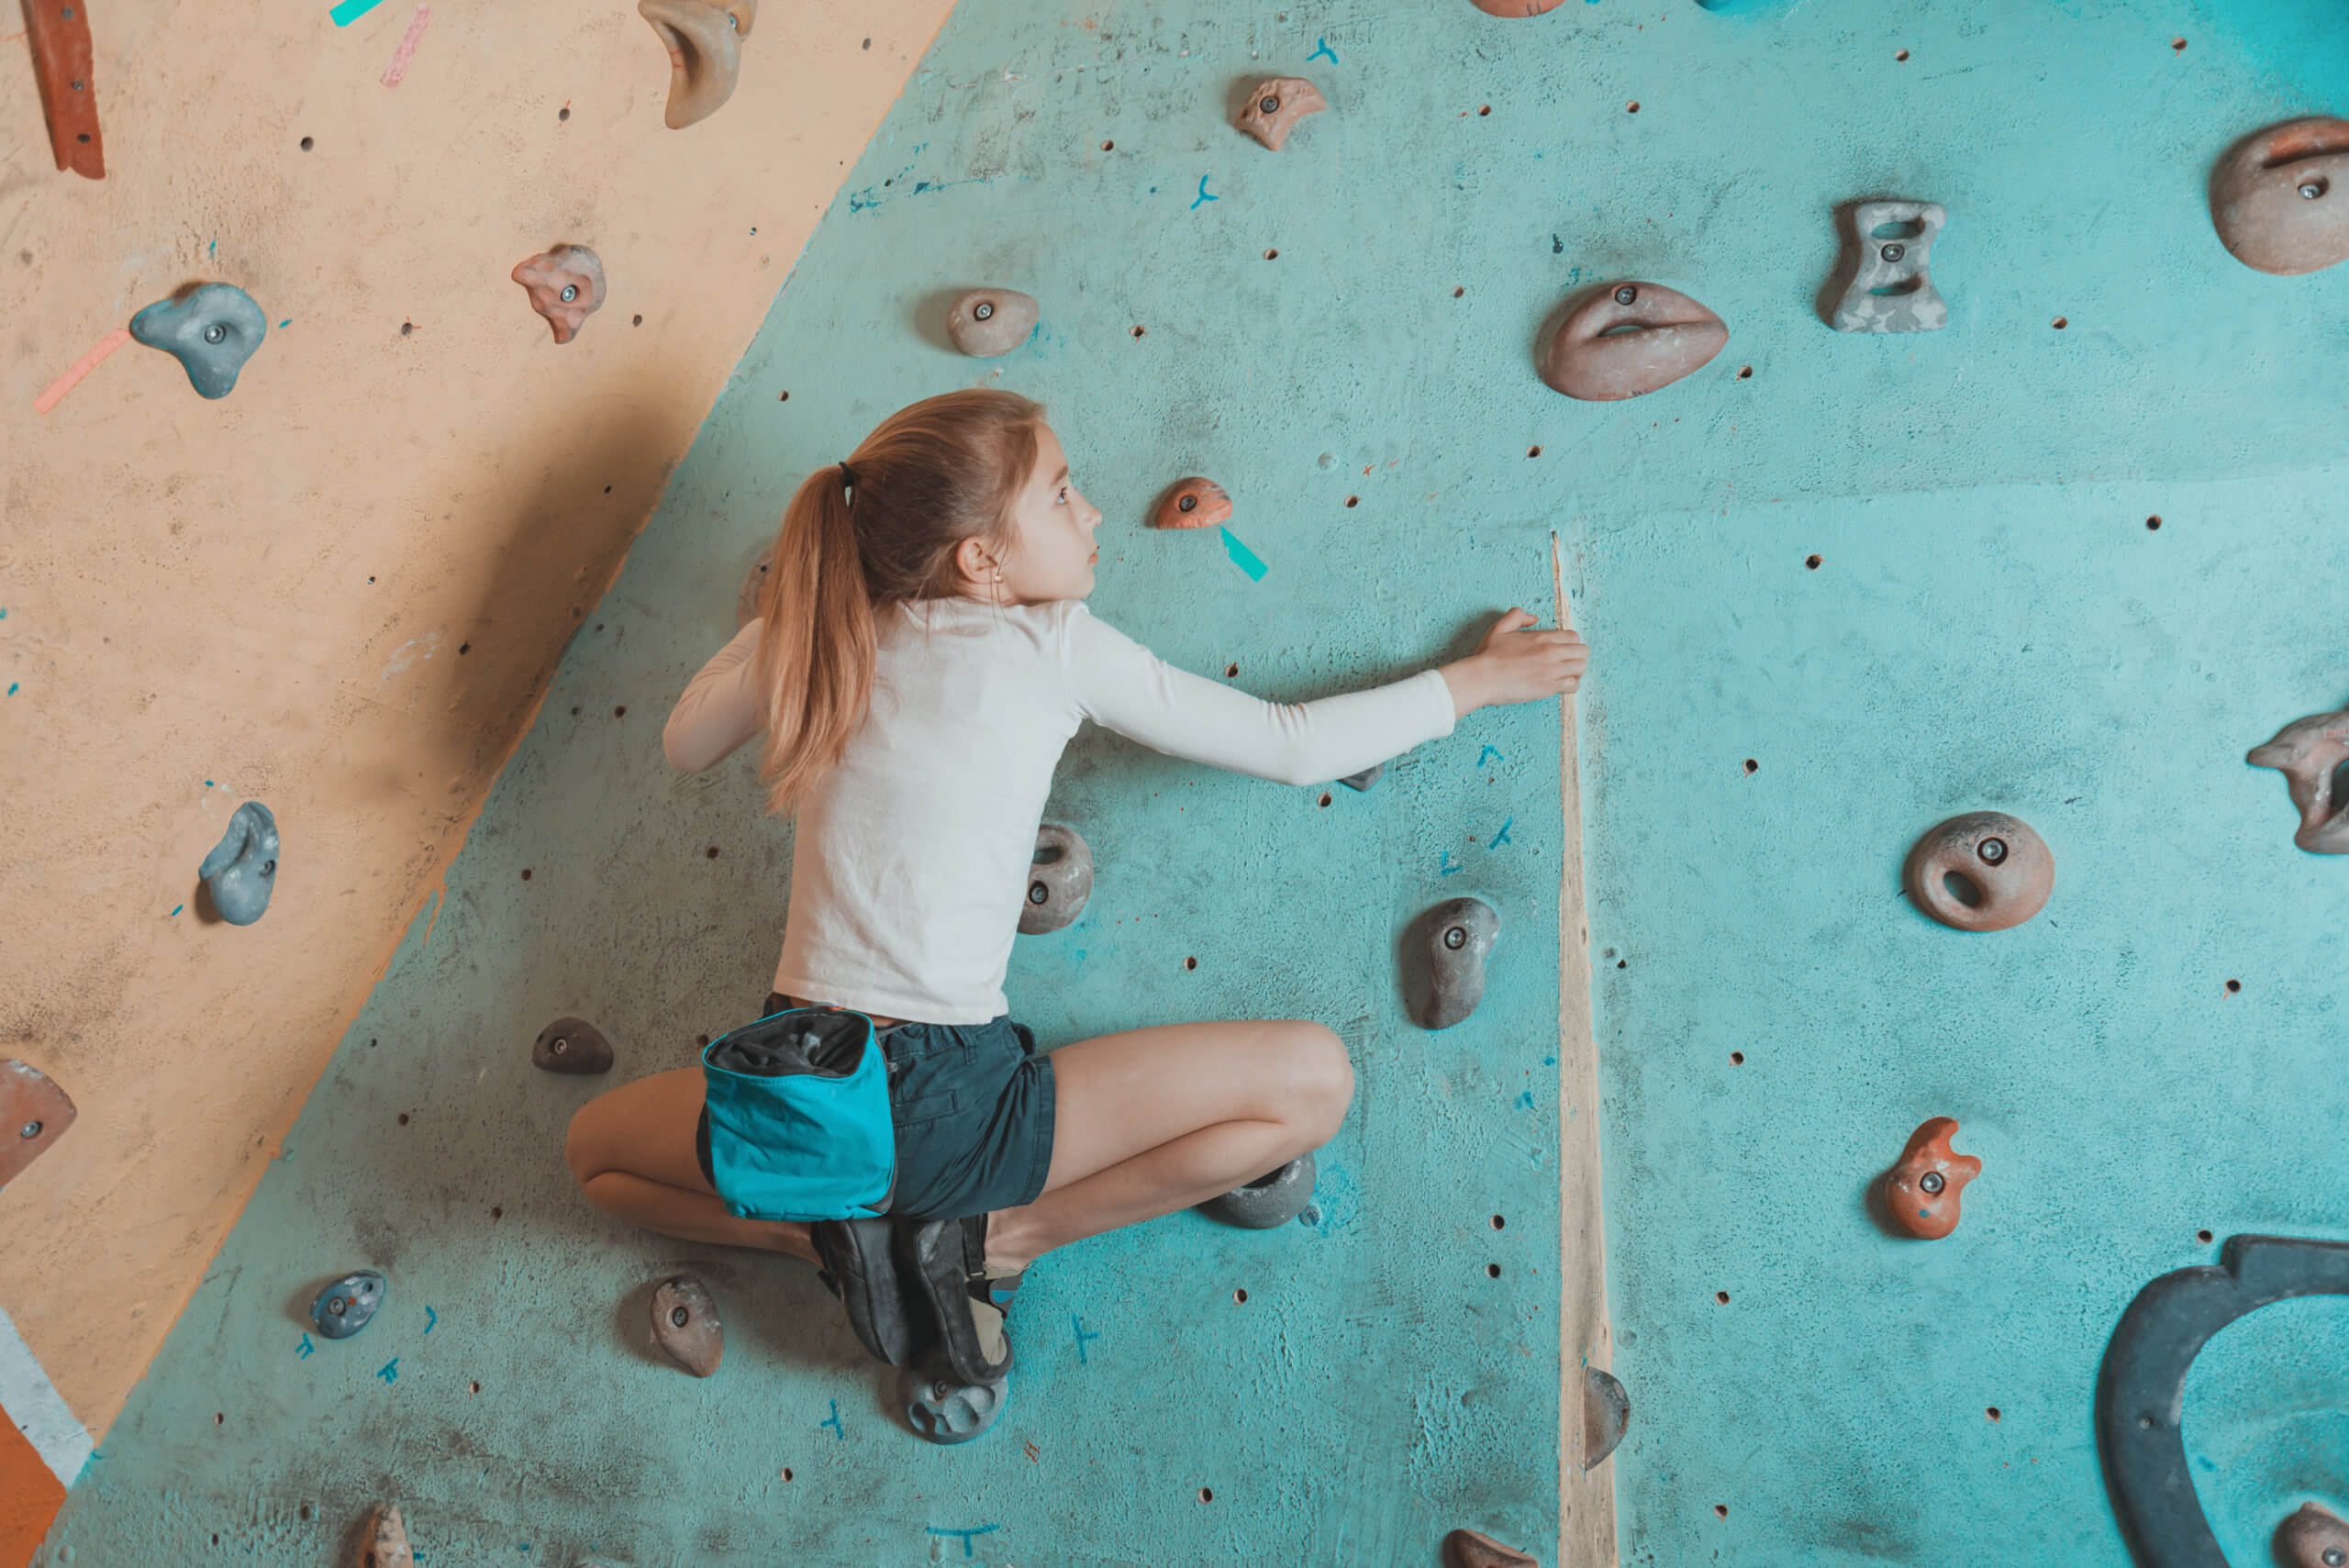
[799,1125]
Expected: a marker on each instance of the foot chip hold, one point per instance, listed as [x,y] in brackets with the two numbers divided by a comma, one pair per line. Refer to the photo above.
[1276,107]
[685,1325]
[1269,1200]
[1920,1195]
[347,1305]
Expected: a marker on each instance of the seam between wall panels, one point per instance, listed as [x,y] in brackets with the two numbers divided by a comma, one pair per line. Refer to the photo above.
[34,1406]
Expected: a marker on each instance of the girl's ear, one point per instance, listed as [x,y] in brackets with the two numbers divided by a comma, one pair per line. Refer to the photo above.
[973,563]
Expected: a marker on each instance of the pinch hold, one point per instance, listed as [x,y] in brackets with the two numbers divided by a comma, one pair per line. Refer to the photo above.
[212,331]
[1276,107]
[241,871]
[565,284]
[2280,200]
[1192,503]
[704,41]
[1920,1195]
[985,323]
[1893,289]
[2307,752]
[1628,339]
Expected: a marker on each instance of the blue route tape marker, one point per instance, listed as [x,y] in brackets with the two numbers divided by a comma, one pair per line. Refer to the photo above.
[1502,837]
[350,11]
[1321,50]
[1203,196]
[1489,751]
[175,910]
[1243,557]
[1083,1334]
[965,1534]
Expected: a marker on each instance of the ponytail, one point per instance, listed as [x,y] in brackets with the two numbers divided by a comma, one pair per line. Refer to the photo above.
[858,540]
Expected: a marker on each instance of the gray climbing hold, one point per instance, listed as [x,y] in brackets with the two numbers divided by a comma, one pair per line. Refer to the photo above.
[343,1307]
[1460,936]
[212,331]
[1060,880]
[572,1045]
[947,1411]
[987,322]
[1269,1200]
[754,582]
[685,1324]
[242,867]
[1893,289]
[1364,779]
[1605,1411]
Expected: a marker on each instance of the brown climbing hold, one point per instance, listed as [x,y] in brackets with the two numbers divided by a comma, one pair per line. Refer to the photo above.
[34,1113]
[2307,752]
[685,1324]
[566,286]
[2280,199]
[1276,107]
[386,1541]
[704,41]
[1466,1548]
[1193,503]
[1983,872]
[1628,339]
[61,49]
[1920,1194]
[1517,7]
[988,322]
[2314,1536]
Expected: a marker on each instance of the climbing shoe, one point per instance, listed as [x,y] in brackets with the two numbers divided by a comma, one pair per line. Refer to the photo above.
[944,1260]
[857,1267]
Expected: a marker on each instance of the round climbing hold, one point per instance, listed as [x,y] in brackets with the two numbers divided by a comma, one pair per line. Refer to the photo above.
[241,871]
[1468,1549]
[2264,198]
[685,1325]
[1193,503]
[1276,107]
[1920,1195]
[946,1411]
[572,1045]
[986,323]
[1460,935]
[1060,879]
[2312,1537]
[703,40]
[346,1305]
[1272,1199]
[1983,872]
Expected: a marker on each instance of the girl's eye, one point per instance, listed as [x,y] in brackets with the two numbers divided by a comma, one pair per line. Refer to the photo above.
[1063,495]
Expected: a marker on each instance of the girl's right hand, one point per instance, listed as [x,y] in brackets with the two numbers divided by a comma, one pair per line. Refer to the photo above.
[1517,663]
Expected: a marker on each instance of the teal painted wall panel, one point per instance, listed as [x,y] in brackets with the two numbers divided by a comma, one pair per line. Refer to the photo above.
[1991,624]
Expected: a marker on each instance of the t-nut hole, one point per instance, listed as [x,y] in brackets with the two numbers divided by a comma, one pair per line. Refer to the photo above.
[1271,255]
[1812,562]
[1632,107]
[1136,331]
[1482,112]
[1498,1222]
[787,1473]
[1991,1411]
[2060,323]
[1751,767]
[1492,1270]
[1737,1059]
[1458,291]
[2204,1236]
[1353,500]
[1325,797]
[1190,963]
[2233,986]
[1533,452]
[477,1387]
[2177,45]
[1207,1494]
[1721,1296]
[1239,1298]
[1108,146]
[1745,373]
[2153,523]
[1720,1510]
[1901,55]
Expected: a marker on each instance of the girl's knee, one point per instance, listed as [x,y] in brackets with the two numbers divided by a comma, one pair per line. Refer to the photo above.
[583,1150]
[1322,1077]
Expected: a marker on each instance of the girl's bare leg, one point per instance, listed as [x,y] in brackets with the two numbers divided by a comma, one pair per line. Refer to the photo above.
[632,1151]
[1151,1120]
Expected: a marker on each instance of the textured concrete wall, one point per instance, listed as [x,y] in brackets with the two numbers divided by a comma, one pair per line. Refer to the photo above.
[344,588]
[1991,623]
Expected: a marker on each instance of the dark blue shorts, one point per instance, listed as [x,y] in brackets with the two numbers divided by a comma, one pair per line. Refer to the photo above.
[972,1105]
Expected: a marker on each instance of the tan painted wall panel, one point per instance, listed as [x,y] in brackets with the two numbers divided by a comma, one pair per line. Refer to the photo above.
[187,584]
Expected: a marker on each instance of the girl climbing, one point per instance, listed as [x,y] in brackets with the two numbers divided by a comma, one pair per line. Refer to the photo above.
[922,656]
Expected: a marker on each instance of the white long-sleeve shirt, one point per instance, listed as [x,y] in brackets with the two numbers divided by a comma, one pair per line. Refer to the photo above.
[911,861]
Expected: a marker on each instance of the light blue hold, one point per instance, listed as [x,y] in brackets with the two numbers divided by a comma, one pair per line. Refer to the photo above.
[242,867]
[212,332]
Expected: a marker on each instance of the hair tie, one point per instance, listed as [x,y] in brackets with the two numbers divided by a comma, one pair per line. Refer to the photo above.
[848,477]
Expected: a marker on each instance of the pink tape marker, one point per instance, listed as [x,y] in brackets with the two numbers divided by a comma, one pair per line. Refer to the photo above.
[406,51]
[82,367]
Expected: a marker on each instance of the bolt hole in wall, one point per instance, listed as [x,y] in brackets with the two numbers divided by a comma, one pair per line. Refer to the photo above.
[787,1473]
[1498,1222]
[1458,291]
[1533,452]
[2153,523]
[2204,1236]
[2233,986]
[2060,323]
[1721,1296]
[1207,1494]
[1190,963]
[1632,107]
[1137,329]
[1751,767]
[1271,255]
[1811,562]
[1901,55]
[1720,1510]
[1108,146]
[1992,1412]
[1239,1298]
[1737,1059]
[564,113]
[1492,1270]
[1482,112]
[1325,799]
[1745,373]
[307,143]
[1353,500]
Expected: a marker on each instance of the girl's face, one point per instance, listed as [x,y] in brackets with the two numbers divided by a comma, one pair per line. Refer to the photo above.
[1051,553]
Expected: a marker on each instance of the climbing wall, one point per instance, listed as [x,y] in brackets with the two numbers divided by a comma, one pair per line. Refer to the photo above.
[1841,586]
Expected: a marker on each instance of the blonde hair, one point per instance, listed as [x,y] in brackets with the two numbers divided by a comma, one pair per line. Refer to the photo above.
[863,537]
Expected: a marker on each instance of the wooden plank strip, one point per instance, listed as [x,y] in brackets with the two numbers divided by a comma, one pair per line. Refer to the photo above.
[61,49]
[1586,1498]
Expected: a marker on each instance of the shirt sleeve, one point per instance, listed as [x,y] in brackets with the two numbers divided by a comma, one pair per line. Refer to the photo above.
[1120,685]
[721,706]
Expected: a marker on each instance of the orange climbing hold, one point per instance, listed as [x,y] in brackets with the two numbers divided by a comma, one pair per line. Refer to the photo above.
[1193,503]
[1276,107]
[1921,1193]
[2314,1536]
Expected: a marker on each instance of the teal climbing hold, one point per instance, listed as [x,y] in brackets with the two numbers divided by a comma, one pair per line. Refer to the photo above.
[212,331]
[241,870]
